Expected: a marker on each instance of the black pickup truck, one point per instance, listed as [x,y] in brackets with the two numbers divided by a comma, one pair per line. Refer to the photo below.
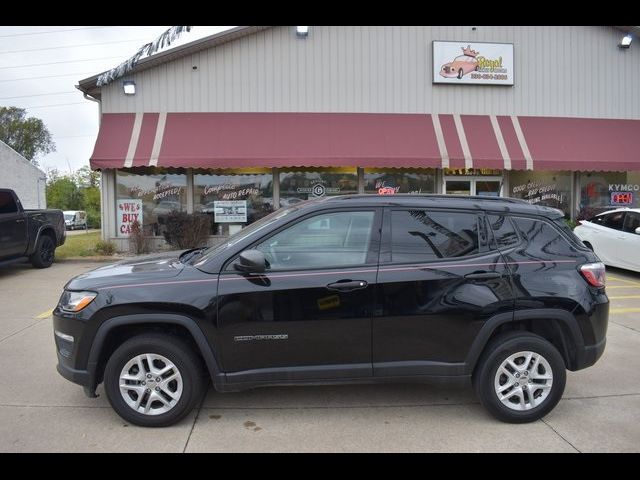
[28,233]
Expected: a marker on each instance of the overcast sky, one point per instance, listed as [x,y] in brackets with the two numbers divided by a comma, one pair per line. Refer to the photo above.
[39,71]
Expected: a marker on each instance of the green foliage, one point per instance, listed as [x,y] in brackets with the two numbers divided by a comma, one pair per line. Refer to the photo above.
[93,219]
[570,223]
[27,136]
[87,178]
[64,194]
[187,230]
[105,248]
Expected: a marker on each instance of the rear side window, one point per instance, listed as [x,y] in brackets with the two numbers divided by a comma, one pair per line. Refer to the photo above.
[420,236]
[542,237]
[631,222]
[7,203]
[503,231]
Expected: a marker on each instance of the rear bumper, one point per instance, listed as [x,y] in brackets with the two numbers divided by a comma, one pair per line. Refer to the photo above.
[590,355]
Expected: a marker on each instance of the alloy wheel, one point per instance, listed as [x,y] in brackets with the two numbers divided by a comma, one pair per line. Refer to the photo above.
[151,384]
[523,381]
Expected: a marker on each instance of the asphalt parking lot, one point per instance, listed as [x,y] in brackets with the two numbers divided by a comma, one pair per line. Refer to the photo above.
[42,412]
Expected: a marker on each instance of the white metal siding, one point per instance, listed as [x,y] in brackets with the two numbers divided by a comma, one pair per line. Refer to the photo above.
[23,177]
[559,71]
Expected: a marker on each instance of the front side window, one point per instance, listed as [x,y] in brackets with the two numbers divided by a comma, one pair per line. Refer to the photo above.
[323,241]
[419,236]
[613,220]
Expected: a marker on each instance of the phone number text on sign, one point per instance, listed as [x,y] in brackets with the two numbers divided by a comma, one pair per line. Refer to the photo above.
[489,76]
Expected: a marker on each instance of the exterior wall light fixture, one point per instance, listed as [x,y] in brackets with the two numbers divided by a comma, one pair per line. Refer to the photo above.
[302,31]
[129,87]
[626,41]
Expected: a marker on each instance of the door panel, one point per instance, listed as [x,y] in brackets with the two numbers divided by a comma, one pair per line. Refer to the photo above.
[630,245]
[13,227]
[312,324]
[432,307]
[312,312]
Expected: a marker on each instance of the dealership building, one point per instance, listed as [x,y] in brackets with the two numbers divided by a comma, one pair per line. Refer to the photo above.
[255,118]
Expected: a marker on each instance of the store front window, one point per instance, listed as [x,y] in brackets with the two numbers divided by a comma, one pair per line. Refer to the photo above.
[393,181]
[602,191]
[547,188]
[148,195]
[305,184]
[232,198]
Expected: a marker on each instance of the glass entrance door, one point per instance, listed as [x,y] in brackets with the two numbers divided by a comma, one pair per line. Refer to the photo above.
[483,186]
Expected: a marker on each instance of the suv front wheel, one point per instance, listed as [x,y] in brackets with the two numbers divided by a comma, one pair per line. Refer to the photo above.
[153,380]
[520,378]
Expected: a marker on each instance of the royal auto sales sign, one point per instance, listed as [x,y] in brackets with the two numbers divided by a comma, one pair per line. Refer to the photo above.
[473,63]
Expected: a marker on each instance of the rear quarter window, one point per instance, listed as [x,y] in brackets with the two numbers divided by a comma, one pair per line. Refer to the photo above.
[544,239]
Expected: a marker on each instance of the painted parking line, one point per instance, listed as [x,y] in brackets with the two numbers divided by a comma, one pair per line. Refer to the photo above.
[623,297]
[623,280]
[609,287]
[624,310]
[44,315]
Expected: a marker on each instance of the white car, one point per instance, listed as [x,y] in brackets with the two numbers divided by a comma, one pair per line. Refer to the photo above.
[614,236]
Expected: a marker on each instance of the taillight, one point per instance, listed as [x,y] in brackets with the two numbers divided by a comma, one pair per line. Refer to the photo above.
[594,273]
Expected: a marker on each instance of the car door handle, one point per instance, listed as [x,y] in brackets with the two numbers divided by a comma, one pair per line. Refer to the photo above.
[20,220]
[483,275]
[347,285]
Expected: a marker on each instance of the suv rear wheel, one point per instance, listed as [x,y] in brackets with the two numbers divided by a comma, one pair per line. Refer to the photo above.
[153,380]
[520,378]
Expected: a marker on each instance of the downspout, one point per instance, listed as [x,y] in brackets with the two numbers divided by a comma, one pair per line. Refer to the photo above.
[103,225]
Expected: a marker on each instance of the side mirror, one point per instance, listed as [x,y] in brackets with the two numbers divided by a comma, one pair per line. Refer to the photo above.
[638,230]
[251,261]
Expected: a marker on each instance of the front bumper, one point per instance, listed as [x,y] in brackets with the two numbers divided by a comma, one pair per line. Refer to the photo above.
[71,358]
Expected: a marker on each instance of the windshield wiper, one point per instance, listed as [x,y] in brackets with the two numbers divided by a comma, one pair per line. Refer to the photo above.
[189,255]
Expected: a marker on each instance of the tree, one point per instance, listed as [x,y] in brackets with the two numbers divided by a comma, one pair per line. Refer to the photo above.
[27,136]
[86,178]
[64,194]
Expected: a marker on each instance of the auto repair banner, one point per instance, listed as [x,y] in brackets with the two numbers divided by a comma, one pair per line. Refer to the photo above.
[473,63]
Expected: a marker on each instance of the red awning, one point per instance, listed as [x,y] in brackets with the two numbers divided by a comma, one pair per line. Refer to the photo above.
[242,140]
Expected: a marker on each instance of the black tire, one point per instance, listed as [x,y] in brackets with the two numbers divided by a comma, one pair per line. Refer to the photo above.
[498,351]
[176,351]
[45,252]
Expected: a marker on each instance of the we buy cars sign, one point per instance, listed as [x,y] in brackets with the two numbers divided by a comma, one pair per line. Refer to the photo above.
[128,212]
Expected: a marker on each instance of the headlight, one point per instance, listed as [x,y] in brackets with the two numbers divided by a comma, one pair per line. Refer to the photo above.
[76,301]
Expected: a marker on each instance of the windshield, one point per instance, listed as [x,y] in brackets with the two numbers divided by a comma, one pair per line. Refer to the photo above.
[68,216]
[245,233]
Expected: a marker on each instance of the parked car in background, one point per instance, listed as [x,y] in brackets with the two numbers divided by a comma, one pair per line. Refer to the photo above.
[614,236]
[363,288]
[28,233]
[75,219]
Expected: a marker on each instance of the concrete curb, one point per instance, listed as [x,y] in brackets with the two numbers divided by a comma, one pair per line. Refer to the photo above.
[93,259]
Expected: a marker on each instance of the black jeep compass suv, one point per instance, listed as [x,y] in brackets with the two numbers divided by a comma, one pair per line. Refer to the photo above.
[341,290]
